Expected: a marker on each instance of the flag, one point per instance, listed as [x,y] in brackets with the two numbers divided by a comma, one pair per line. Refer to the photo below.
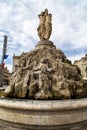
[5,56]
[3,64]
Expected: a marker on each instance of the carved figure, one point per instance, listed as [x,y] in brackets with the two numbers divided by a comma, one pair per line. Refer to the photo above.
[48,26]
[41,80]
[45,27]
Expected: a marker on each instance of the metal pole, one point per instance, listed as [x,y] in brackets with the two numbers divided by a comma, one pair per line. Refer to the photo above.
[3,54]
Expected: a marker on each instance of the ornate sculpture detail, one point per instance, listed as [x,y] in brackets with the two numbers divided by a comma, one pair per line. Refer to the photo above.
[46,73]
[45,27]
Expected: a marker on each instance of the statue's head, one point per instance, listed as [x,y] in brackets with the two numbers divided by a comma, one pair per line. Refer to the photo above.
[46,11]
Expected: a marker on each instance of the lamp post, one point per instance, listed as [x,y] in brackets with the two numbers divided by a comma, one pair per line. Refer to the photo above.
[2,63]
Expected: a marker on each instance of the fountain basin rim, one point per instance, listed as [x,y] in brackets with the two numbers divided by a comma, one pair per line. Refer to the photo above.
[43,104]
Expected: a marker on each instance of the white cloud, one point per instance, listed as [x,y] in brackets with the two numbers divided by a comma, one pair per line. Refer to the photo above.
[19,20]
[9,66]
[76,57]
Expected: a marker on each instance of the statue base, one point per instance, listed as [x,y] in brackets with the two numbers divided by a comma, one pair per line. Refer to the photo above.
[17,114]
[45,43]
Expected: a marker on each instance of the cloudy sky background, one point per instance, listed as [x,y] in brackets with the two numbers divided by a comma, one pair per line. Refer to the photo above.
[19,21]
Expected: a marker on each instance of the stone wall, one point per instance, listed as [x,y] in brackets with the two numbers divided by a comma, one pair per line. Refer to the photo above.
[15,63]
[82,64]
[6,75]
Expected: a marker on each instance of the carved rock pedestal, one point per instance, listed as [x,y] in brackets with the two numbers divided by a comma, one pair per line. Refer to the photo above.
[46,73]
[18,114]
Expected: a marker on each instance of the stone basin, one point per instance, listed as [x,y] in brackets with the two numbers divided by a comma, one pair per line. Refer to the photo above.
[18,114]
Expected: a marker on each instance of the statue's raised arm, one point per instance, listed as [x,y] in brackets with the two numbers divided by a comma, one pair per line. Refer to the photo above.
[45,27]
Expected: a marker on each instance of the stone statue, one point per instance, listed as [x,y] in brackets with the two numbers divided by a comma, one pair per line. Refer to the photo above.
[45,27]
[45,72]
[41,78]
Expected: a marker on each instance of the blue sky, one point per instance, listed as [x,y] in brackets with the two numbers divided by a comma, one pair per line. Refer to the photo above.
[19,21]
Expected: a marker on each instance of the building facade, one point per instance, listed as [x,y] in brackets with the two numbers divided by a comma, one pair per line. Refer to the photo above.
[82,64]
[6,76]
[16,62]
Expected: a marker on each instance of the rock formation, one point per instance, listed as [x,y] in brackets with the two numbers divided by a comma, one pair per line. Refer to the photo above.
[46,73]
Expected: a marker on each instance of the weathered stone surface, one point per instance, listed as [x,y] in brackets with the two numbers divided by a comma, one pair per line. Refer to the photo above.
[80,63]
[46,73]
[24,114]
[45,43]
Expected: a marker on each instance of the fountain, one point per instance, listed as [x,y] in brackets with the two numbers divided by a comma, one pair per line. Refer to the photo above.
[47,91]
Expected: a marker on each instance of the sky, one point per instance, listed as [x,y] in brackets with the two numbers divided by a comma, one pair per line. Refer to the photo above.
[19,21]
